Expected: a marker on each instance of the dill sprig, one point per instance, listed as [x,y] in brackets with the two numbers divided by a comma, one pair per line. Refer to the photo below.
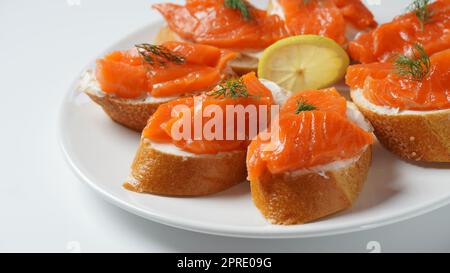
[240,5]
[303,105]
[158,54]
[415,67]
[232,88]
[419,7]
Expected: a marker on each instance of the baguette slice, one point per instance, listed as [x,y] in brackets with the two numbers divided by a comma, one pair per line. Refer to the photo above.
[288,199]
[166,170]
[306,195]
[412,135]
[131,113]
[244,63]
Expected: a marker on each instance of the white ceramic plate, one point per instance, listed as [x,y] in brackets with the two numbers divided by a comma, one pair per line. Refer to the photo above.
[101,151]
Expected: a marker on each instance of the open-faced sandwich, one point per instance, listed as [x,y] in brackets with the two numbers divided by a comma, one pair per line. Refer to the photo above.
[316,161]
[427,24]
[197,163]
[239,26]
[407,102]
[130,85]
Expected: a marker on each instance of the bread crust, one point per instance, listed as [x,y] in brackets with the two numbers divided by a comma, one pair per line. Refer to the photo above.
[165,34]
[241,65]
[158,172]
[133,115]
[418,137]
[288,199]
[244,64]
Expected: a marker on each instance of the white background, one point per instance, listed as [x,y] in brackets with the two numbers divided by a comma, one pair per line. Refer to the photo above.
[45,208]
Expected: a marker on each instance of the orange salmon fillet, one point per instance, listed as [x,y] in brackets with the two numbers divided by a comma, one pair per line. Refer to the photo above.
[160,125]
[210,22]
[383,87]
[127,75]
[326,17]
[398,36]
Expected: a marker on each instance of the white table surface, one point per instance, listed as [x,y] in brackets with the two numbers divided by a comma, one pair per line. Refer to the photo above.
[45,208]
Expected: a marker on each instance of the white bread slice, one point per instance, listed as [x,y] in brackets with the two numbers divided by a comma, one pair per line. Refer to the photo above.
[286,199]
[165,169]
[412,135]
[131,113]
[244,63]
[309,194]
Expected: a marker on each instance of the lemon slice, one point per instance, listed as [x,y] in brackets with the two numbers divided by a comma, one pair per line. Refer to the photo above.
[303,62]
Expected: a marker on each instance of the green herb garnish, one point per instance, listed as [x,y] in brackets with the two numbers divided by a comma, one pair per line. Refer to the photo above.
[240,5]
[303,105]
[419,7]
[231,88]
[158,54]
[415,67]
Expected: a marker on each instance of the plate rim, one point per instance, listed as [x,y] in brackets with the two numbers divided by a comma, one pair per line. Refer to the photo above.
[263,232]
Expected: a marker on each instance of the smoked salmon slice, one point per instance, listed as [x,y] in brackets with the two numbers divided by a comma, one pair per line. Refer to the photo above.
[326,100]
[384,87]
[252,92]
[211,22]
[314,17]
[398,36]
[130,74]
[122,73]
[326,17]
[309,138]
[356,13]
